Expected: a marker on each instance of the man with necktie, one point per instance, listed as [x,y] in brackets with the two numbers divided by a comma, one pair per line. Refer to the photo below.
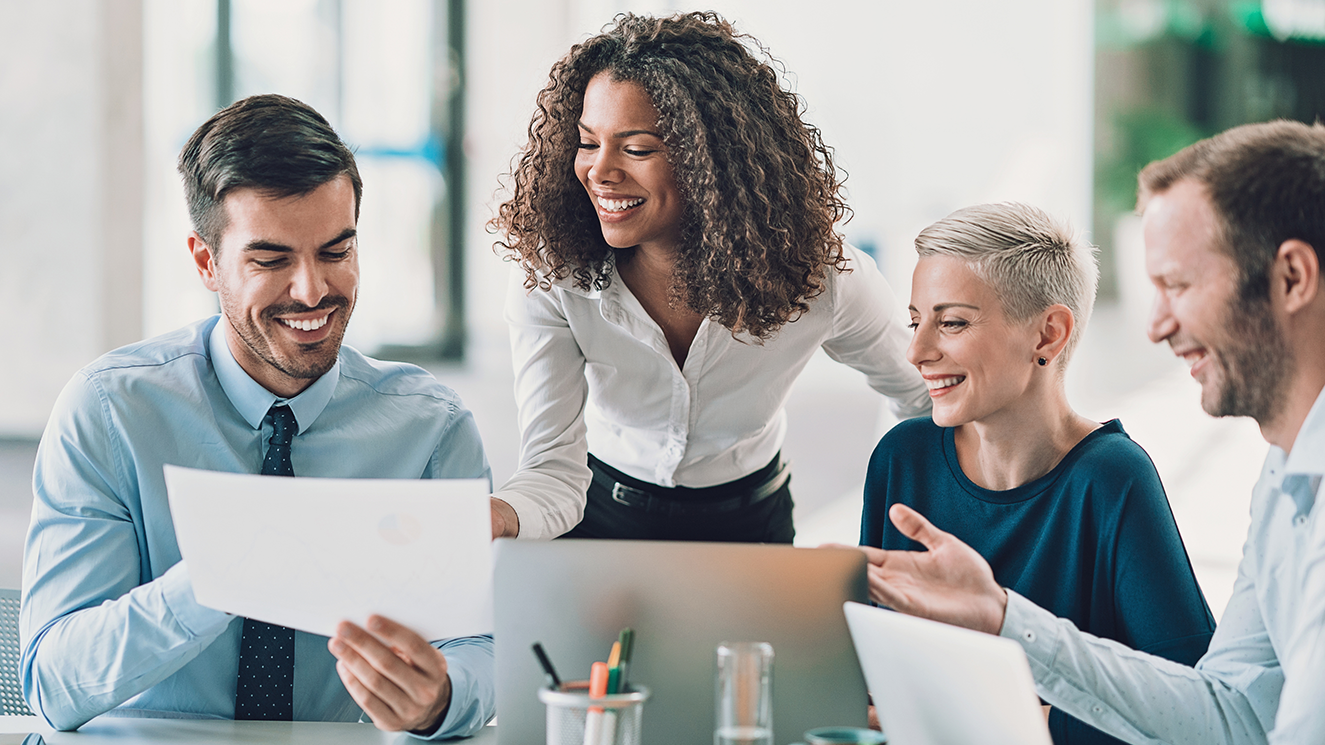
[109,620]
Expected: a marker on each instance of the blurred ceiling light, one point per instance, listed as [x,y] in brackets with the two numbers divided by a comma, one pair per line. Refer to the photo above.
[1294,19]
[1143,19]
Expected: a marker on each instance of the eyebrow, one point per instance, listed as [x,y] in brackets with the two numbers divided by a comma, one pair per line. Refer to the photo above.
[627,133]
[261,245]
[945,306]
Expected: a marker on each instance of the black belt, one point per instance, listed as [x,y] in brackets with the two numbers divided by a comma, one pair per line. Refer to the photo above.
[650,501]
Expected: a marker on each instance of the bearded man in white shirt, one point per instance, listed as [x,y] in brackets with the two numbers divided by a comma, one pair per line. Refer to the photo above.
[1235,240]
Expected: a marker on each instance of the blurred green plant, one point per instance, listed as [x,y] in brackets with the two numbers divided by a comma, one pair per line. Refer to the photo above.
[1140,136]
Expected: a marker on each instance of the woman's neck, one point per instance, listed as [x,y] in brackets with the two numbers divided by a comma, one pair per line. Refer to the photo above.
[646,265]
[1022,443]
[648,276]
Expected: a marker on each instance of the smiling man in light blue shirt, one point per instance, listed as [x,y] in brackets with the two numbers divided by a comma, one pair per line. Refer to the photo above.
[1235,243]
[109,621]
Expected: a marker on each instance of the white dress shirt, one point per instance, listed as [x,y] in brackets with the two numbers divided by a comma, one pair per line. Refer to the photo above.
[1263,678]
[593,372]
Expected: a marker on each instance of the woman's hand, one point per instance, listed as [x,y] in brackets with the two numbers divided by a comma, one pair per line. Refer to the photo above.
[949,582]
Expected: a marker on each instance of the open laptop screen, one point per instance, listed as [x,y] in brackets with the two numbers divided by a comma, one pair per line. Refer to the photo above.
[682,599]
[934,683]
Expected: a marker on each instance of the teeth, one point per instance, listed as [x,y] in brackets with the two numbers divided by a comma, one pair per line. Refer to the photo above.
[306,325]
[944,382]
[619,205]
[1192,357]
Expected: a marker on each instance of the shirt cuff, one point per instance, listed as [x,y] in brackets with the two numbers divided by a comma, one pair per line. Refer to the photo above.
[197,619]
[469,663]
[1034,628]
[533,523]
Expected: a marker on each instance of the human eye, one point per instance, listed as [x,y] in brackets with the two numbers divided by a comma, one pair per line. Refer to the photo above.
[953,324]
[640,152]
[274,263]
[338,254]
[586,146]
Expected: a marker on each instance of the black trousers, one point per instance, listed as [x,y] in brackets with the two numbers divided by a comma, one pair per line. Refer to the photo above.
[765,521]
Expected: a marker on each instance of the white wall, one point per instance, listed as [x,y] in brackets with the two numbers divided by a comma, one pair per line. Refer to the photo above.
[70,196]
[931,106]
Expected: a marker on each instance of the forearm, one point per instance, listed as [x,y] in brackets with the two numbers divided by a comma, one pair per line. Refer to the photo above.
[547,490]
[1137,697]
[88,661]
[469,663]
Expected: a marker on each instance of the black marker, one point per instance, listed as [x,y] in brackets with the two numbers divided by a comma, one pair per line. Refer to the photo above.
[547,666]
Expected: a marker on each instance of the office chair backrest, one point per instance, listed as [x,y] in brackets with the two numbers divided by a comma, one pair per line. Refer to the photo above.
[11,690]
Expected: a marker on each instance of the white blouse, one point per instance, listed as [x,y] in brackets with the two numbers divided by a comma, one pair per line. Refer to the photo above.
[593,373]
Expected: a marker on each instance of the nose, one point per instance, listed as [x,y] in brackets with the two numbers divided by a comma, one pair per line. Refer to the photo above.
[308,285]
[1162,324]
[604,169]
[921,349]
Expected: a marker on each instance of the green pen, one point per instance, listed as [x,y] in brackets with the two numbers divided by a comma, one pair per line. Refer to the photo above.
[627,642]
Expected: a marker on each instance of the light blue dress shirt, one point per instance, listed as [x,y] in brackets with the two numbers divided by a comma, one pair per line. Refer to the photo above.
[1263,678]
[108,616]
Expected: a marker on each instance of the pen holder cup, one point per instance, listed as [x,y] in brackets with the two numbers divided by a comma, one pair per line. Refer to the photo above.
[575,719]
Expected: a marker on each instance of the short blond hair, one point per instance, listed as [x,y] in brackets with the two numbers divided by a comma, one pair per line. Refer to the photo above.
[1031,260]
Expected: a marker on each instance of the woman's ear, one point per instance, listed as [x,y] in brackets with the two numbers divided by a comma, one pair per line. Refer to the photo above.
[1055,328]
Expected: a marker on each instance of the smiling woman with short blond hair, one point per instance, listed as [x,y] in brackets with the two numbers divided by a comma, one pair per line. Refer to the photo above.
[1069,512]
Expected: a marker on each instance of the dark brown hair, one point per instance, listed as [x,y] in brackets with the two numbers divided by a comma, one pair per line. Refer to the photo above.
[275,144]
[762,193]
[1267,185]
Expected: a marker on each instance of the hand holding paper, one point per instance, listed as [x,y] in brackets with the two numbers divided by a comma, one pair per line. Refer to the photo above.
[396,677]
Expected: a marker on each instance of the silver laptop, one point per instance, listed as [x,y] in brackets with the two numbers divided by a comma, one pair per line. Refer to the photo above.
[935,684]
[682,599]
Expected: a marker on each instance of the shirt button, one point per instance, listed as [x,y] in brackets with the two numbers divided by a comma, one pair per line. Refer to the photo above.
[1300,520]
[1028,635]
[1098,709]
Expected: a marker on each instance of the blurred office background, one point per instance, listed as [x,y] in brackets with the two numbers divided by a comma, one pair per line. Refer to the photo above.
[931,106]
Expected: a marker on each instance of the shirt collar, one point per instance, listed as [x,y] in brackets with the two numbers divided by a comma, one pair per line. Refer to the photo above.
[252,401]
[1308,454]
[1302,469]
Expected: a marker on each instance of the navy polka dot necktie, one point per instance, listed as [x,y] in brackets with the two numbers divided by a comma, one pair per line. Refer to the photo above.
[265,689]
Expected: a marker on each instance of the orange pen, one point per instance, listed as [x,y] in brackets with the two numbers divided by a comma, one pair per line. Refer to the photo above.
[593,723]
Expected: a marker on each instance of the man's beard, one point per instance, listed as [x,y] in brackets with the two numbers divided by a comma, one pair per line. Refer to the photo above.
[1256,362]
[313,360]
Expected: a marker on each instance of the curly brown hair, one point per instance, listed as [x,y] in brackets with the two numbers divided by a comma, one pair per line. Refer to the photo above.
[761,191]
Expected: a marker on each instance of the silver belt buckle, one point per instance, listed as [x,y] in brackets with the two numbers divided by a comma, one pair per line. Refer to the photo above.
[620,492]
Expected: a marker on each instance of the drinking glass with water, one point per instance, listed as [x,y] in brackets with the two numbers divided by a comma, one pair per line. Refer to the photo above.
[744,692]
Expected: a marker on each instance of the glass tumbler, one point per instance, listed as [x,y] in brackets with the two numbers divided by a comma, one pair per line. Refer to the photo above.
[744,694]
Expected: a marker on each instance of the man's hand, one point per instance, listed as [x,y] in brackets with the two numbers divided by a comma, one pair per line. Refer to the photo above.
[395,675]
[950,582]
[505,523]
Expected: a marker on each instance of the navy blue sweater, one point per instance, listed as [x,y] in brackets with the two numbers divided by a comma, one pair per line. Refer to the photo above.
[1092,541]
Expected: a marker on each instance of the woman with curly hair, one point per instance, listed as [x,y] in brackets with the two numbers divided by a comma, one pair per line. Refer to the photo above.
[674,219]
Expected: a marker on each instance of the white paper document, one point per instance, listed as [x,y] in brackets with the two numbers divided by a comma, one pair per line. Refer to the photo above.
[309,553]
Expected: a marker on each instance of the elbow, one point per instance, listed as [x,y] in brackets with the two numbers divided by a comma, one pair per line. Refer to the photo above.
[62,718]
